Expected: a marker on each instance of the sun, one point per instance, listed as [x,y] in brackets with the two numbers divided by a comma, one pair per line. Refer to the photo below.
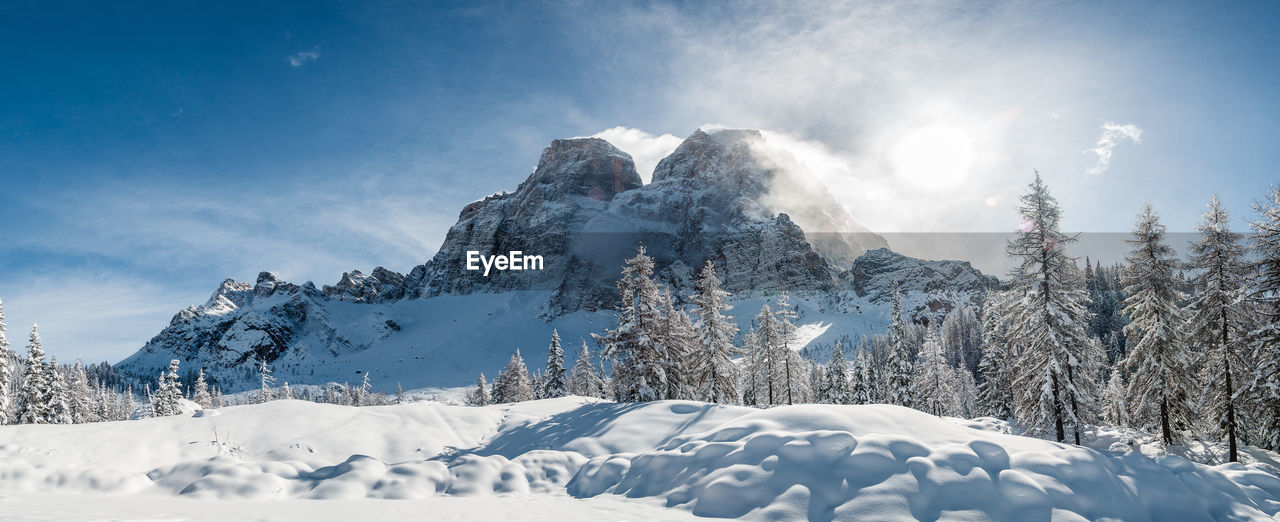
[934,156]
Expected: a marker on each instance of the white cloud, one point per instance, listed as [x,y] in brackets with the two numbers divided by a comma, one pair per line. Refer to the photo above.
[302,58]
[645,149]
[1112,135]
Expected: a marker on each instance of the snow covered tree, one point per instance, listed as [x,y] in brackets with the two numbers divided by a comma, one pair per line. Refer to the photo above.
[1047,323]
[286,393]
[680,342]
[837,382]
[713,361]
[961,338]
[555,384]
[364,394]
[265,380]
[794,378]
[480,395]
[768,359]
[515,385]
[995,394]
[750,370]
[933,381]
[898,367]
[639,358]
[1264,340]
[81,395]
[1158,362]
[864,379]
[59,400]
[966,393]
[165,401]
[201,389]
[1115,400]
[583,380]
[6,373]
[34,393]
[1219,318]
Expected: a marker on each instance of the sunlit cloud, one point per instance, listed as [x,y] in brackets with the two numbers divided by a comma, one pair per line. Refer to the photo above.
[302,58]
[645,149]
[1113,134]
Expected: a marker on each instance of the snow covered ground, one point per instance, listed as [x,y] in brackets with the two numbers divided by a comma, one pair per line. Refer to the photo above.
[579,459]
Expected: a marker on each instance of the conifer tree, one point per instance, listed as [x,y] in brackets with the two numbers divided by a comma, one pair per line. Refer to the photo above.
[517,386]
[864,379]
[1219,318]
[480,395]
[966,393]
[59,400]
[1264,340]
[34,392]
[1115,400]
[266,380]
[639,358]
[1158,362]
[752,371]
[202,395]
[165,401]
[715,331]
[898,367]
[995,394]
[1047,323]
[583,380]
[83,403]
[6,374]
[837,383]
[933,381]
[794,378]
[769,360]
[555,385]
[679,341]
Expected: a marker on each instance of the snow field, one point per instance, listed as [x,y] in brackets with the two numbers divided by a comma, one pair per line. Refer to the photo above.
[818,462]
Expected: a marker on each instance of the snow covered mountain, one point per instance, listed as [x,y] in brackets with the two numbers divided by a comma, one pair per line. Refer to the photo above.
[722,196]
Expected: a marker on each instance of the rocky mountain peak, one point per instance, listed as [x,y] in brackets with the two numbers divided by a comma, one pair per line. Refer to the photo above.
[589,167]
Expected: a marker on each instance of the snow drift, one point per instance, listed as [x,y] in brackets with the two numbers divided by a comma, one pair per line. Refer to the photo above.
[816,462]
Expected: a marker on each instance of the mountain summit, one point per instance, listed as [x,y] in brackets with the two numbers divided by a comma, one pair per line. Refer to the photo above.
[724,196]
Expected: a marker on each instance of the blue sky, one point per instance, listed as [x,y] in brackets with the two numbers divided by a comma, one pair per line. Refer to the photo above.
[150,150]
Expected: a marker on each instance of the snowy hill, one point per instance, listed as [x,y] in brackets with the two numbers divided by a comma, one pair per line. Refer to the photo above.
[721,196]
[580,458]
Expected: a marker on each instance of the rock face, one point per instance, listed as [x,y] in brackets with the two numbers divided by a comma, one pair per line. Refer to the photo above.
[929,288]
[722,196]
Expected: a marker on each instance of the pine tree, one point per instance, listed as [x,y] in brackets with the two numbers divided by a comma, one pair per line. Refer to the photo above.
[679,341]
[1264,340]
[995,395]
[202,395]
[583,380]
[1158,362]
[516,385]
[266,380]
[6,374]
[837,383]
[34,393]
[1219,318]
[751,374]
[82,399]
[713,362]
[864,379]
[480,395]
[769,359]
[165,401]
[640,360]
[898,368]
[556,384]
[933,381]
[1115,400]
[1047,323]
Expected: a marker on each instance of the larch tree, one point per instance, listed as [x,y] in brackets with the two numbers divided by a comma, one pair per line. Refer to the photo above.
[794,377]
[713,365]
[1115,400]
[898,366]
[1219,318]
[34,392]
[864,379]
[995,394]
[680,341]
[768,359]
[556,384]
[1047,324]
[1158,361]
[1265,339]
[265,380]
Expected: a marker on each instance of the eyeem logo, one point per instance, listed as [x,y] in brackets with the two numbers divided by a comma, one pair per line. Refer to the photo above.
[514,260]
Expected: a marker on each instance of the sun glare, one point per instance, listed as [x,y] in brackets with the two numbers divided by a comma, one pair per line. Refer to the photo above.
[936,156]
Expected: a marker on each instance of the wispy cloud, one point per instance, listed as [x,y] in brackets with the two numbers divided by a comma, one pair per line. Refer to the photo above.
[302,58]
[645,149]
[1113,134]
